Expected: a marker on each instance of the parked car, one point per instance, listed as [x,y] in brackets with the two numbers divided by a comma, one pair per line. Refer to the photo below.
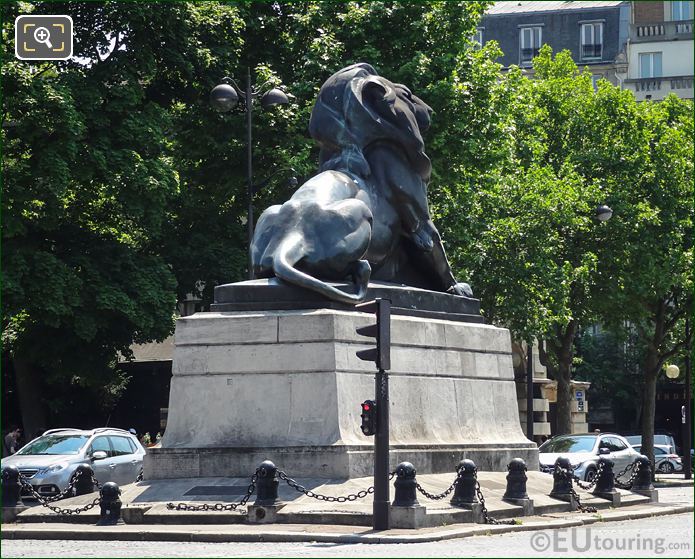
[665,461]
[660,439]
[49,461]
[583,451]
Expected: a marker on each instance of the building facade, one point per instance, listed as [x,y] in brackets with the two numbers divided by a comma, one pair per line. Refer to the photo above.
[595,33]
[660,50]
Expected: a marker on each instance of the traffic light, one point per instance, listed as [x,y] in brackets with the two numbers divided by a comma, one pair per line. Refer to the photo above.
[368,417]
[381,354]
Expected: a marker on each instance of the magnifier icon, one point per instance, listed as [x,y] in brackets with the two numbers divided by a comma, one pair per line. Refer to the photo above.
[43,36]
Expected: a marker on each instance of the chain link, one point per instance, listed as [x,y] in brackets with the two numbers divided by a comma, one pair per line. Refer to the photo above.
[488,519]
[568,475]
[438,496]
[593,482]
[635,467]
[219,506]
[45,501]
[328,498]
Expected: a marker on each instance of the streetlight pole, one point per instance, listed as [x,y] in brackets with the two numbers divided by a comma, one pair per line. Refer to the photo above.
[224,98]
[249,164]
[687,426]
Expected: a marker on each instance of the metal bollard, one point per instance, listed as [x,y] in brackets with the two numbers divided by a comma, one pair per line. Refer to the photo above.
[11,488]
[562,484]
[606,481]
[643,479]
[464,493]
[85,480]
[267,484]
[110,504]
[516,480]
[406,486]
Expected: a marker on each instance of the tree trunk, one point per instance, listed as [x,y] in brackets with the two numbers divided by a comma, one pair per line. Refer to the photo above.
[651,373]
[563,347]
[29,389]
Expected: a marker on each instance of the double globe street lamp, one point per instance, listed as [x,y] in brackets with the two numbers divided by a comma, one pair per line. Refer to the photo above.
[224,98]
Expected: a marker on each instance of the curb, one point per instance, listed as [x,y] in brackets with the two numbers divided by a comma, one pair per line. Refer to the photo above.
[147,533]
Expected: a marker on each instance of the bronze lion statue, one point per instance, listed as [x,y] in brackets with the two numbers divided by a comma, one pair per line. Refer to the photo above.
[365,213]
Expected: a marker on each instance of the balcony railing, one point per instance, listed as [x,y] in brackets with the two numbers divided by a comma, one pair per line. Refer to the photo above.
[591,51]
[661,31]
[658,88]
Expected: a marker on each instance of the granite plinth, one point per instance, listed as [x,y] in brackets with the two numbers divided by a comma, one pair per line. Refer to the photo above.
[286,386]
[274,294]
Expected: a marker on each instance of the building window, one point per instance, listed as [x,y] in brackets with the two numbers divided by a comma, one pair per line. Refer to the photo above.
[592,40]
[478,37]
[650,65]
[680,11]
[530,43]
[594,80]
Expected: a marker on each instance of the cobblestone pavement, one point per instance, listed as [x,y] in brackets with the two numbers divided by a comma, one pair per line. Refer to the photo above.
[667,536]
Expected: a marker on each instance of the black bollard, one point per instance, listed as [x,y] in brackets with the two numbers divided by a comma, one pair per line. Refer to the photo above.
[643,479]
[11,488]
[267,484]
[84,480]
[110,504]
[516,480]
[606,481]
[562,479]
[464,493]
[406,486]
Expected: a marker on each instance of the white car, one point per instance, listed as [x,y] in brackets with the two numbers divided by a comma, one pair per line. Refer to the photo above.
[665,461]
[583,451]
[49,461]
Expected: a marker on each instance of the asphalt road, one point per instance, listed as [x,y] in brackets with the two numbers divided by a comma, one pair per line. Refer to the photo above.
[662,536]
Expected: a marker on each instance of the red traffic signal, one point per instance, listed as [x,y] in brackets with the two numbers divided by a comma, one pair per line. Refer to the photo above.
[368,416]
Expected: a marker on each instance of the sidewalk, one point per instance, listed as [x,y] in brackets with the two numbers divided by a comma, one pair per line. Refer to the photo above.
[320,533]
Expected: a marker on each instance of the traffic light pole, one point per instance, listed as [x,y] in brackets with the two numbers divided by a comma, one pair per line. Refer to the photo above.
[380,510]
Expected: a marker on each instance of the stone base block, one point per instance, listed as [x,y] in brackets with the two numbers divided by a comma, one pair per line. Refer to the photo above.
[612,496]
[526,504]
[263,514]
[408,517]
[339,462]
[653,494]
[287,385]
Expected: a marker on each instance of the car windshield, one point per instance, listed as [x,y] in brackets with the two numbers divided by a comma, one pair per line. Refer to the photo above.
[634,439]
[569,444]
[55,444]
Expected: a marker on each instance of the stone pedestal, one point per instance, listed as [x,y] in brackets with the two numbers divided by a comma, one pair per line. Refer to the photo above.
[286,385]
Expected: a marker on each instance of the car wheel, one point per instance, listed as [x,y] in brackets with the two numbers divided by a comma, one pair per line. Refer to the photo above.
[590,474]
[666,467]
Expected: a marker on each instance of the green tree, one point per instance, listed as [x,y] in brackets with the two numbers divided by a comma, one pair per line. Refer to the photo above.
[539,261]
[89,182]
[649,275]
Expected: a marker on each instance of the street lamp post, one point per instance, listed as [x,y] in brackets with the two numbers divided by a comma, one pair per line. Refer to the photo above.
[687,423]
[224,98]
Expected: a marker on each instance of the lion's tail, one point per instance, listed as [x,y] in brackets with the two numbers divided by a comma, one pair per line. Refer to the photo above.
[288,254]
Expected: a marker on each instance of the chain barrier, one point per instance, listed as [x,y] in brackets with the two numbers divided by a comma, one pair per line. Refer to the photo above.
[569,476]
[590,485]
[438,496]
[635,467]
[328,498]
[218,506]
[45,501]
[488,519]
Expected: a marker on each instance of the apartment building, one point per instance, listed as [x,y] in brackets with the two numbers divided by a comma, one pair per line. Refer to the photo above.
[660,50]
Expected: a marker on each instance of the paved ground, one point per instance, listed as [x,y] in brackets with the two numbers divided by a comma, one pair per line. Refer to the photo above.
[668,536]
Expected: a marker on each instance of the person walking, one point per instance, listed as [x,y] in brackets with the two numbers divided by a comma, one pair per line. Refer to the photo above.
[9,441]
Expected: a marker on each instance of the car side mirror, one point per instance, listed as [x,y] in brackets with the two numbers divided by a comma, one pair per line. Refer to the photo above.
[604,450]
[99,455]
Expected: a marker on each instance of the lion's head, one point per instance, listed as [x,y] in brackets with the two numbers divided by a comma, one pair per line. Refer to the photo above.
[355,108]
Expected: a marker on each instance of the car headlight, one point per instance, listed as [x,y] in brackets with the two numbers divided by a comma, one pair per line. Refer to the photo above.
[54,468]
